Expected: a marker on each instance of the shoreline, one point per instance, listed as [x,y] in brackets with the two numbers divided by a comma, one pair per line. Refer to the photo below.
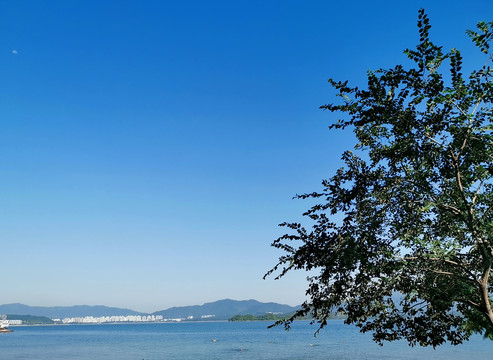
[149,323]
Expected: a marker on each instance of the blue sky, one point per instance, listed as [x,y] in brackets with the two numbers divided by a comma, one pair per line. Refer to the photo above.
[148,149]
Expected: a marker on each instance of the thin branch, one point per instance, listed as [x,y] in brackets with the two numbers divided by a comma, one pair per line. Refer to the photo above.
[469,129]
[436,142]
[448,273]
[458,107]
[451,274]
[477,104]
[471,303]
[477,192]
[453,209]
[448,261]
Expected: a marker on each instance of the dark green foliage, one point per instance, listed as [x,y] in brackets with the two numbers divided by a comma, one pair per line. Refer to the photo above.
[265,317]
[31,320]
[401,241]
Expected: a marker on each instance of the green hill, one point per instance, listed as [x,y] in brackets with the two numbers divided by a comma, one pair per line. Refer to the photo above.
[225,309]
[30,319]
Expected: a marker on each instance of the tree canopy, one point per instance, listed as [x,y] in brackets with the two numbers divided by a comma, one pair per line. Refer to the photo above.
[401,237]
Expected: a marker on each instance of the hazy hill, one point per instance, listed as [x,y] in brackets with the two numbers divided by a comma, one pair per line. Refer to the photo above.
[222,310]
[225,309]
[65,311]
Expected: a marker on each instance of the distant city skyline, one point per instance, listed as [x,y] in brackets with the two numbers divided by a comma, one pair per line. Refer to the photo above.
[148,149]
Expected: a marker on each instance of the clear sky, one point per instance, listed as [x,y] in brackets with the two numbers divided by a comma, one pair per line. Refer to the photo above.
[148,149]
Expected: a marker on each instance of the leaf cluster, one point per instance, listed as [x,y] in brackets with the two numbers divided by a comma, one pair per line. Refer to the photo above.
[400,240]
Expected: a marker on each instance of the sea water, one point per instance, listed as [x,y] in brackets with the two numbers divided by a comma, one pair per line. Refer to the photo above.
[217,340]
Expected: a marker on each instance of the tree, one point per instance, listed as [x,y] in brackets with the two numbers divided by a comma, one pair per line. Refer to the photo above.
[401,240]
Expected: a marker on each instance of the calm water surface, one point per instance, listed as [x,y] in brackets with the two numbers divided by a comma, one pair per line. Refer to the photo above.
[233,340]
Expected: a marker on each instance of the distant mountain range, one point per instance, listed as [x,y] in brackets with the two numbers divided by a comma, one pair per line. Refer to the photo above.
[225,309]
[59,312]
[218,310]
